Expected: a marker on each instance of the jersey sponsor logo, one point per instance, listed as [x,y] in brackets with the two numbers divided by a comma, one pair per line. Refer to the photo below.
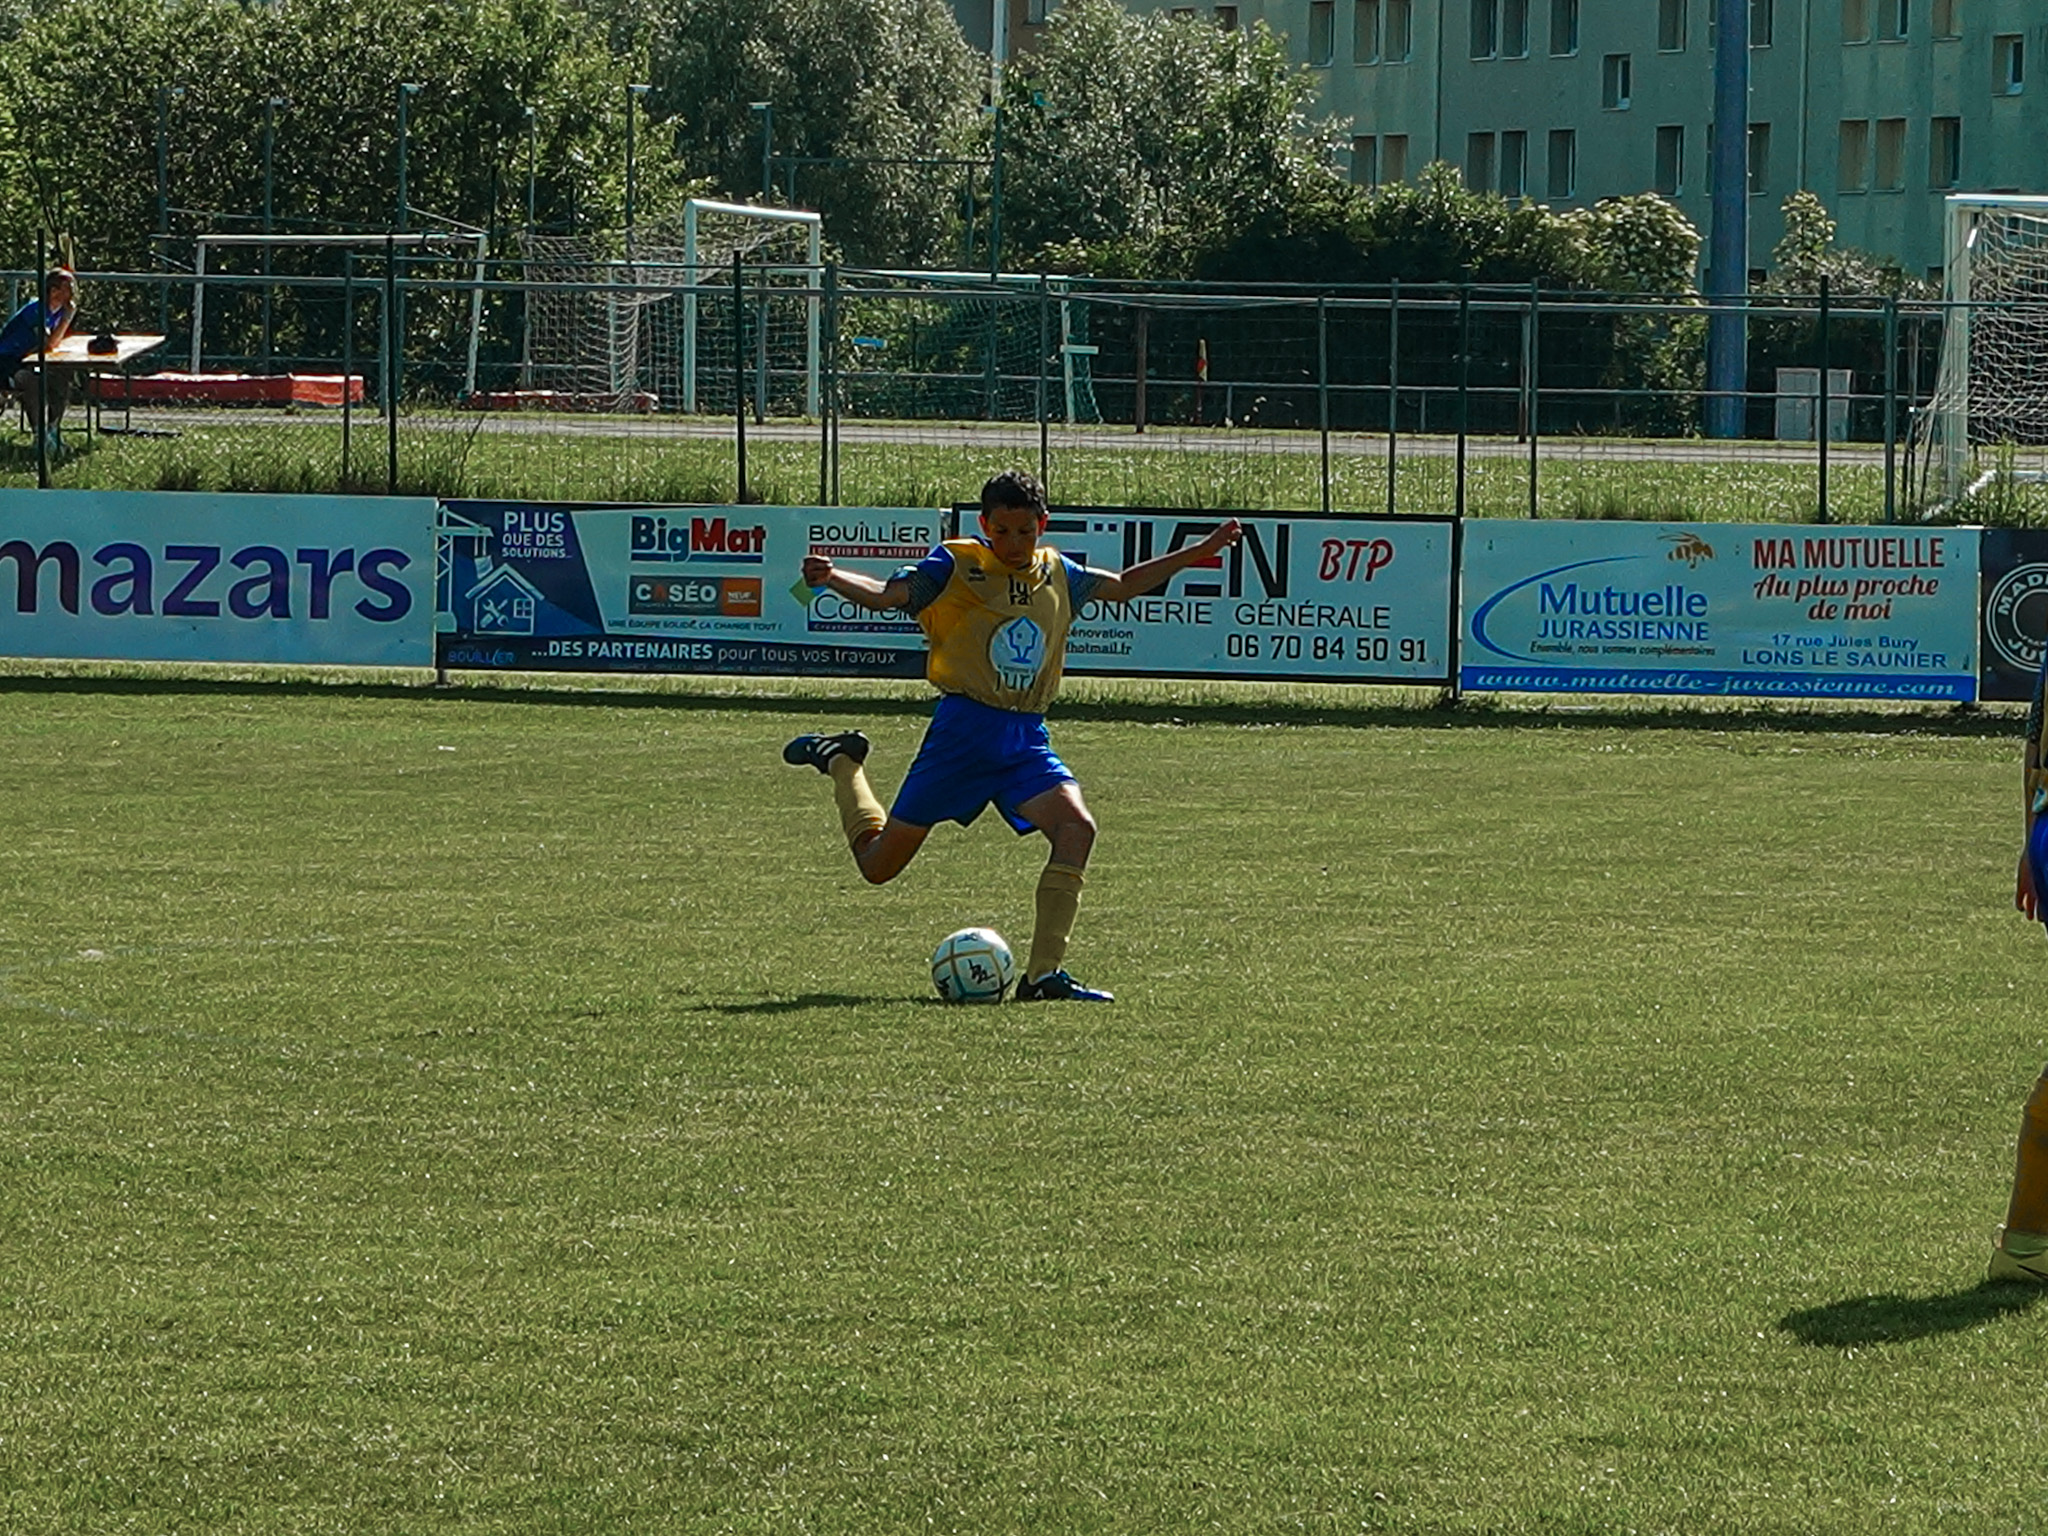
[1017,652]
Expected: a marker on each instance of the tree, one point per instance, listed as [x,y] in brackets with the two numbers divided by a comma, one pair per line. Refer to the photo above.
[1134,145]
[868,98]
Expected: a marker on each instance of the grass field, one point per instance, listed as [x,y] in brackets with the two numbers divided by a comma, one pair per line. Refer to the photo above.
[500,1111]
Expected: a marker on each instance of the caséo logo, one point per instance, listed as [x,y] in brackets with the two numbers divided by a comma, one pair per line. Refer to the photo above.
[197,581]
[708,540]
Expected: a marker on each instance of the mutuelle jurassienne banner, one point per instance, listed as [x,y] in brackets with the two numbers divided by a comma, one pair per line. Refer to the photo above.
[197,576]
[1720,608]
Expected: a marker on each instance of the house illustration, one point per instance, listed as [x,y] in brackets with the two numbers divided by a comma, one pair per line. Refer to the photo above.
[502,603]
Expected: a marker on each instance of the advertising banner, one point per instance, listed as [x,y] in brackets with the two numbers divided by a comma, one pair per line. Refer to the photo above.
[2014,566]
[1354,599]
[673,589]
[189,576]
[1721,608]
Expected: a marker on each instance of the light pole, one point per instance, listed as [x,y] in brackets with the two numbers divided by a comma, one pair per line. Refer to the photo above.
[165,95]
[767,111]
[270,107]
[406,91]
[532,171]
[633,94]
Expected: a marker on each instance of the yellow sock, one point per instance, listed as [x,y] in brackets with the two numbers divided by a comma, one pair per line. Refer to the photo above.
[860,813]
[2028,1212]
[1059,897]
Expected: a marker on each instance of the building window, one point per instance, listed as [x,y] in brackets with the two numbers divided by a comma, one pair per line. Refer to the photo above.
[1365,31]
[1564,162]
[1855,21]
[1365,160]
[1852,155]
[2008,65]
[1322,32]
[1400,31]
[1670,160]
[1759,159]
[1514,164]
[1564,27]
[1037,12]
[1947,20]
[1893,17]
[1945,152]
[1670,25]
[1479,161]
[1226,18]
[1616,72]
[1514,29]
[1763,16]
[1485,29]
[1890,173]
[1394,158]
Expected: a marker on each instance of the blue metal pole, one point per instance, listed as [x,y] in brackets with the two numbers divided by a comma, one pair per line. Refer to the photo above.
[1728,258]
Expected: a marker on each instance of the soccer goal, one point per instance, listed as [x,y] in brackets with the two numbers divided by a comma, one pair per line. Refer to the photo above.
[1988,419]
[647,322]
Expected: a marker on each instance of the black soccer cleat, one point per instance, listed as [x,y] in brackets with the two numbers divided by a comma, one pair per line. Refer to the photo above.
[818,751]
[1059,987]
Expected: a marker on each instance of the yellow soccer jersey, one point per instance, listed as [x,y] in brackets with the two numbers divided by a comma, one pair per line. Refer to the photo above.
[997,636]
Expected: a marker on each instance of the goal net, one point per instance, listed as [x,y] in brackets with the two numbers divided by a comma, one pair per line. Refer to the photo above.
[1988,419]
[649,323]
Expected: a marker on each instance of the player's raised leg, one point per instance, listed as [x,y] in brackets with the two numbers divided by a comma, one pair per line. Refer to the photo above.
[2021,1251]
[882,845]
[1062,815]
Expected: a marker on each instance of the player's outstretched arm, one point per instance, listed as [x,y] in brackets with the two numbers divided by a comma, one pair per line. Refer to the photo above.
[1141,578]
[857,587]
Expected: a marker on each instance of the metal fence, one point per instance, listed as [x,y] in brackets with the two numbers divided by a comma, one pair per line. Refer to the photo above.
[422,368]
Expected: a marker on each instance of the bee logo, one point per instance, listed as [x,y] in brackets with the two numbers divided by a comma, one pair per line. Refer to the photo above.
[1689,547]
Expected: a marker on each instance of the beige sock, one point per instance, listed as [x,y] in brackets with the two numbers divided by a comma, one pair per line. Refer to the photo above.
[1059,897]
[2028,1212]
[860,813]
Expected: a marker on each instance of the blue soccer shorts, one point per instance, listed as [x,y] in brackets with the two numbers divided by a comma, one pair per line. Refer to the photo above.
[975,756]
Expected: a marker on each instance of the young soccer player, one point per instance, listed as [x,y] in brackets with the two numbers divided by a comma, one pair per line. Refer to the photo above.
[2020,1251]
[995,611]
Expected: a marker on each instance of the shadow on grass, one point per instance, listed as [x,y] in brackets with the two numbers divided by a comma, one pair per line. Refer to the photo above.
[1862,1321]
[768,1005]
[822,700]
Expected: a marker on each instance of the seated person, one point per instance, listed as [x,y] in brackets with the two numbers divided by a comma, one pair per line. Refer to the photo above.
[53,314]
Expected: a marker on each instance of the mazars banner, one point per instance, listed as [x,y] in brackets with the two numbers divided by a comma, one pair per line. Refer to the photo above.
[1356,599]
[673,589]
[184,576]
[1720,608]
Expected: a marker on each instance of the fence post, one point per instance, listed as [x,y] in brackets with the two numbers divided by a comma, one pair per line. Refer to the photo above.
[831,283]
[1464,387]
[739,374]
[1393,387]
[1140,366]
[1891,407]
[1038,399]
[390,351]
[1535,391]
[39,420]
[1821,430]
[348,357]
[1323,388]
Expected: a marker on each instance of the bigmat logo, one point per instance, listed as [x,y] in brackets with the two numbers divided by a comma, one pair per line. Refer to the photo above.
[702,540]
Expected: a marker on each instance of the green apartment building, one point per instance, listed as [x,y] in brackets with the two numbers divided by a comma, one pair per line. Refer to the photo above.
[1882,107]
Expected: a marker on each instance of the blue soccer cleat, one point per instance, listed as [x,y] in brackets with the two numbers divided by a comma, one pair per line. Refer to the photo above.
[818,751]
[1059,987]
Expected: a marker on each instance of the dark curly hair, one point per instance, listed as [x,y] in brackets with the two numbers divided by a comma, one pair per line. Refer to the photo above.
[1013,488]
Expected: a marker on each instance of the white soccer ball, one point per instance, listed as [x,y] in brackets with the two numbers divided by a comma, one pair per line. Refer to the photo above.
[973,966]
